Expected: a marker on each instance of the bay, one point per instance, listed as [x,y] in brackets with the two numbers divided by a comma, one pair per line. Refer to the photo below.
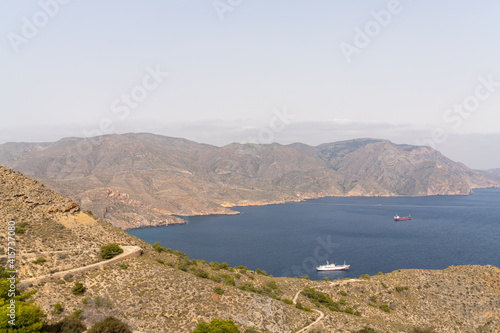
[292,239]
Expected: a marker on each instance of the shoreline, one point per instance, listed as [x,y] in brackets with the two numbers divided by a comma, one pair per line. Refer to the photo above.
[281,202]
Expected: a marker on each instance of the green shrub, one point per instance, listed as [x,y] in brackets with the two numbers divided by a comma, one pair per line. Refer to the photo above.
[201,273]
[110,250]
[158,248]
[385,308]
[261,272]
[334,307]
[110,325]
[343,293]
[58,309]
[342,301]
[218,290]
[216,326]
[183,266]
[272,285]
[366,330]
[287,301]
[179,253]
[101,302]
[270,289]
[19,229]
[365,276]
[247,286]
[373,299]
[228,279]
[242,269]
[317,296]
[400,289]
[123,266]
[78,289]
[250,330]
[349,310]
[214,265]
[299,306]
[78,314]
[160,261]
[39,261]
[29,317]
[66,325]
[357,313]
[215,278]
[305,277]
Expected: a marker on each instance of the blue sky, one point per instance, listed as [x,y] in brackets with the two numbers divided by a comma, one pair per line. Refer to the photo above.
[228,77]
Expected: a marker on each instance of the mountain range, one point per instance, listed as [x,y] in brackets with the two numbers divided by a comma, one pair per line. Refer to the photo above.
[136,180]
[495,172]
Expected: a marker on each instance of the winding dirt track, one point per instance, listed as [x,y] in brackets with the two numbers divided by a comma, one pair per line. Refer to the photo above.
[321,313]
[128,252]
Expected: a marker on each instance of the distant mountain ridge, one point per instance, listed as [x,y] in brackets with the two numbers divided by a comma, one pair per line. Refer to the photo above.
[495,172]
[135,180]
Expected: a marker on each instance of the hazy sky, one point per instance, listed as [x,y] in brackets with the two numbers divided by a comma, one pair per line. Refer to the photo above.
[416,72]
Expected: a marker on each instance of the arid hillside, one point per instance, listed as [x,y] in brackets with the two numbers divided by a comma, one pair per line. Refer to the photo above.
[135,180]
[165,291]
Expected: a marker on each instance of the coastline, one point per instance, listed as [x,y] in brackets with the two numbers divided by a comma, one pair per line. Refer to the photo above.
[180,219]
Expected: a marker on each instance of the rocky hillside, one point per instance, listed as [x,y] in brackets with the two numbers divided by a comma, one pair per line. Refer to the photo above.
[168,292]
[135,180]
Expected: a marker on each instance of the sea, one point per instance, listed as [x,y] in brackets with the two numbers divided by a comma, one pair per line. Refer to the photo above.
[292,239]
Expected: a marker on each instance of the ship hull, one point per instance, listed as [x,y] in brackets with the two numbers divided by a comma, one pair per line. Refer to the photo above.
[332,269]
[406,218]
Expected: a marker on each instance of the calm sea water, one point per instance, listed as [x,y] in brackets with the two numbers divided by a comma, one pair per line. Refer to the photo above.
[291,239]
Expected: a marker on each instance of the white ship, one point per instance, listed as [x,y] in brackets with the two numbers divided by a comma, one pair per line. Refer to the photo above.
[333,267]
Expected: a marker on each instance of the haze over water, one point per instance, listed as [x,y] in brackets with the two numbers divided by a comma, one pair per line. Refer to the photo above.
[291,239]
